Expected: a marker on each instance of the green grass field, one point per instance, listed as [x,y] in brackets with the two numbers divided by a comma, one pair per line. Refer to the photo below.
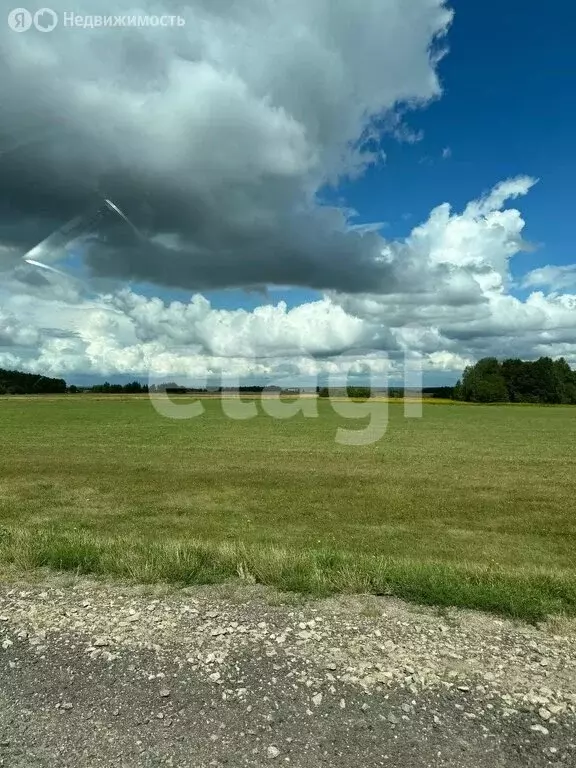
[469,506]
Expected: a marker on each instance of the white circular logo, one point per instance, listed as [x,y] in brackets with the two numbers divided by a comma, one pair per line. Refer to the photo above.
[19,20]
[45,20]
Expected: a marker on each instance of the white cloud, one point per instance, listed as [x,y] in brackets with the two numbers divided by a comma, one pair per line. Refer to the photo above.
[13,332]
[555,278]
[457,308]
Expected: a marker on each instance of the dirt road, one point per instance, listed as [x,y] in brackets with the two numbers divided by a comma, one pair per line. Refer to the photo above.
[100,675]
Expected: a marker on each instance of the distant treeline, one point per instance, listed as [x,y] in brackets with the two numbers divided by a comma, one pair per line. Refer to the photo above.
[362,393]
[517,381]
[17,383]
[170,388]
[175,389]
[488,381]
[493,381]
[133,388]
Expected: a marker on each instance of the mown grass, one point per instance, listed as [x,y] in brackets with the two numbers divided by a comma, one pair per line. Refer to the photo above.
[466,506]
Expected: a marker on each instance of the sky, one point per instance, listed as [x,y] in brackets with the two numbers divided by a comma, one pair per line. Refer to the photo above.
[315,188]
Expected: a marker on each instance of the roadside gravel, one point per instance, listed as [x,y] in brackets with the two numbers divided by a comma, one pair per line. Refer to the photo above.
[111,675]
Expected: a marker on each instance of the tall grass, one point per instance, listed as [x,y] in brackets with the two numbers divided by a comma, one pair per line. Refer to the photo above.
[528,595]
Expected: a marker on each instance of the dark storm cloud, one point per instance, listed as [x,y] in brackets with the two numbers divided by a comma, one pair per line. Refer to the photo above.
[213,137]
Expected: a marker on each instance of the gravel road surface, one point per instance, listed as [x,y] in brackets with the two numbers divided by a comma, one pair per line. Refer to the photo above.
[109,675]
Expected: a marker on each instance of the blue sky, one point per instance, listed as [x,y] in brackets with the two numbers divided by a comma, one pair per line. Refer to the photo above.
[508,109]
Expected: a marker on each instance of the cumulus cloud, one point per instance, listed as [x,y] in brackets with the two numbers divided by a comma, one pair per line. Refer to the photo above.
[456,260]
[14,333]
[460,310]
[556,278]
[216,137]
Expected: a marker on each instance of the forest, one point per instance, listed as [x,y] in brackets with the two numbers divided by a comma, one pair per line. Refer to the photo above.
[544,381]
[18,383]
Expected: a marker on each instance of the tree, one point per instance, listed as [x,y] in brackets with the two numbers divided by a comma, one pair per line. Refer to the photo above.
[446,393]
[547,386]
[134,388]
[566,378]
[484,382]
[359,393]
[514,375]
[491,389]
